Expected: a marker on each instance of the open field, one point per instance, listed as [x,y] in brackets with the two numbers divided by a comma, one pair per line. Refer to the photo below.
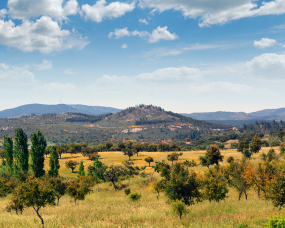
[107,208]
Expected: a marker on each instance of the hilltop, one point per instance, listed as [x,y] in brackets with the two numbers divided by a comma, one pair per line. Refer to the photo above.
[143,123]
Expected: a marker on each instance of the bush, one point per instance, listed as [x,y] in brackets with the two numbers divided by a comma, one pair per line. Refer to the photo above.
[127,191]
[179,208]
[230,159]
[135,197]
[276,222]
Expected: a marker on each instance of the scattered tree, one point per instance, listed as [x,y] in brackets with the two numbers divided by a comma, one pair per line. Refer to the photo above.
[255,145]
[179,208]
[128,152]
[81,169]
[59,185]
[149,160]
[172,157]
[53,162]
[212,157]
[71,165]
[243,144]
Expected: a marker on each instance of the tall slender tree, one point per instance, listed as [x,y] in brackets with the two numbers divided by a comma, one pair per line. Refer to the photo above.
[53,162]
[8,151]
[81,169]
[38,153]
[21,152]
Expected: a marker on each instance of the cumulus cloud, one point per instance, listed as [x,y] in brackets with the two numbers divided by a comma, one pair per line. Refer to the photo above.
[264,43]
[43,35]
[217,11]
[156,35]
[268,66]
[101,10]
[143,21]
[58,9]
[124,46]
[16,75]
[3,13]
[45,65]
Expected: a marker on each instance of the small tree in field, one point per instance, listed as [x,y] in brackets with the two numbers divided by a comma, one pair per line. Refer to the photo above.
[179,208]
[81,169]
[149,160]
[128,152]
[113,174]
[53,162]
[15,204]
[255,145]
[172,157]
[37,194]
[59,186]
[78,188]
[71,165]
[212,157]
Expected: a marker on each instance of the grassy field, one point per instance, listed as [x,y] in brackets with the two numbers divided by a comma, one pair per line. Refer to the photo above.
[107,208]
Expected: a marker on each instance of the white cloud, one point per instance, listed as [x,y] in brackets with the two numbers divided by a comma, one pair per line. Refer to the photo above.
[264,43]
[269,66]
[224,86]
[3,13]
[25,9]
[16,75]
[161,34]
[156,35]
[69,71]
[124,46]
[143,21]
[43,35]
[45,65]
[213,12]
[101,10]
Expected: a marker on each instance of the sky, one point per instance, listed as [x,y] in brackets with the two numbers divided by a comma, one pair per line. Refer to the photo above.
[182,55]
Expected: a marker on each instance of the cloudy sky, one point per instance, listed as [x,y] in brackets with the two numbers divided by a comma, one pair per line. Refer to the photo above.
[183,55]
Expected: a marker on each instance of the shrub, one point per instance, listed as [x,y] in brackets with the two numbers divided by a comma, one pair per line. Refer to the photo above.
[127,191]
[135,197]
[276,222]
[179,208]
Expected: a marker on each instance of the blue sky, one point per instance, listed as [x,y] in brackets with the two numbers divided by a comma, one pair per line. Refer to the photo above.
[183,55]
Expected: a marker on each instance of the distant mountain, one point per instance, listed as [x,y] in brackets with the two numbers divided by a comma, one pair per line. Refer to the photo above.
[239,118]
[39,109]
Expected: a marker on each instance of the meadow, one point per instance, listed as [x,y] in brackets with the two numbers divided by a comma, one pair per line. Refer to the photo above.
[105,207]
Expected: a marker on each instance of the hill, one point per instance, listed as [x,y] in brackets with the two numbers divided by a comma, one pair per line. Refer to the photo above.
[143,123]
[239,118]
[39,109]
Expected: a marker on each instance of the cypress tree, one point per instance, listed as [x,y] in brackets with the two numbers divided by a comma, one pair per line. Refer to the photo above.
[8,152]
[53,162]
[21,152]
[81,170]
[38,153]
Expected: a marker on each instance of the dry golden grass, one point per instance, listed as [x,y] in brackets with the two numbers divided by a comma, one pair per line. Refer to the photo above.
[107,208]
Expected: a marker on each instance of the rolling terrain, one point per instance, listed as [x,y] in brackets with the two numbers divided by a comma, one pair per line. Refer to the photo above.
[143,123]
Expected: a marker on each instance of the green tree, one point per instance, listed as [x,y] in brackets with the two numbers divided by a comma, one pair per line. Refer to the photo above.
[37,194]
[179,208]
[282,148]
[172,157]
[59,185]
[38,153]
[53,162]
[247,153]
[113,174]
[221,146]
[212,157]
[128,152]
[21,152]
[71,165]
[255,145]
[99,169]
[8,151]
[81,169]
[280,134]
[183,185]
[243,144]
[149,160]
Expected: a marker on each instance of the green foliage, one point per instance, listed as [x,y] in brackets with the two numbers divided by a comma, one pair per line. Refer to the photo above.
[53,162]
[113,173]
[270,156]
[37,153]
[190,163]
[280,134]
[135,197]
[234,145]
[247,153]
[8,151]
[81,169]
[127,191]
[99,169]
[212,157]
[59,186]
[243,144]
[276,222]
[179,208]
[79,188]
[21,152]
[15,204]
[149,160]
[282,148]
[183,185]
[129,152]
[214,185]
[71,165]
[230,159]
[35,193]
[255,145]
[221,146]
[173,157]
